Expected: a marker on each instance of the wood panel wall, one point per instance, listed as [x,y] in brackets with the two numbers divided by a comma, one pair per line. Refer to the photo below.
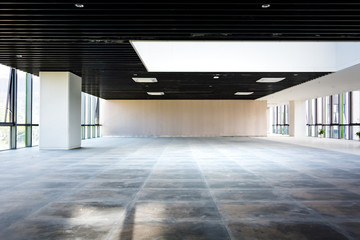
[195,118]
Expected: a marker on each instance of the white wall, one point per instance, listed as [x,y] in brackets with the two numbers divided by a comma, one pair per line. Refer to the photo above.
[347,54]
[342,81]
[183,118]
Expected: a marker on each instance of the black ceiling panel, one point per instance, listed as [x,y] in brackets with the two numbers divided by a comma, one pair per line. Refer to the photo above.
[112,84]
[93,41]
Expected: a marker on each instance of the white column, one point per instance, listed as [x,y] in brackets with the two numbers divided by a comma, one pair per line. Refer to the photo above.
[60,110]
[297,118]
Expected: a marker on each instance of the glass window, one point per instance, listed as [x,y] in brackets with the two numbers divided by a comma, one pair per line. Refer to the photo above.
[335,132]
[21,136]
[279,118]
[4,91]
[307,111]
[345,108]
[4,137]
[89,116]
[319,116]
[282,114]
[35,135]
[335,108]
[312,117]
[355,114]
[21,97]
[327,116]
[327,110]
[274,119]
[313,113]
[355,129]
[344,130]
[355,107]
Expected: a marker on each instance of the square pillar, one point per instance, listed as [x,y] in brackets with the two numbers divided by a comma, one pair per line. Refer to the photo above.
[60,110]
[297,118]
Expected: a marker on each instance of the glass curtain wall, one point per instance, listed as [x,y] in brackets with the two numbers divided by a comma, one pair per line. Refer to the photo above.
[17,108]
[20,110]
[355,114]
[280,119]
[90,125]
[337,115]
[5,114]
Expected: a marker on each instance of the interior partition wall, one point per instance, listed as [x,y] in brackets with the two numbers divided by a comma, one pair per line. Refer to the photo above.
[280,119]
[19,114]
[337,115]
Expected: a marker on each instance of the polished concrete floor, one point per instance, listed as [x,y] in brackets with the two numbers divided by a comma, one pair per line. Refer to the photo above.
[180,188]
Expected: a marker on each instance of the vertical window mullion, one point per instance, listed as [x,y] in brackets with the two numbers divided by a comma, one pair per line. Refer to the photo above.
[88,114]
[350,116]
[13,108]
[28,110]
[316,117]
[331,115]
[97,116]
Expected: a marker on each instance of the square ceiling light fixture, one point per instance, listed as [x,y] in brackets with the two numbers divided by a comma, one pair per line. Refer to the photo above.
[243,93]
[270,80]
[156,93]
[145,80]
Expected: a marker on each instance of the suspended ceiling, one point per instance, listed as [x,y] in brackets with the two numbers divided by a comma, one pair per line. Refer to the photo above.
[93,41]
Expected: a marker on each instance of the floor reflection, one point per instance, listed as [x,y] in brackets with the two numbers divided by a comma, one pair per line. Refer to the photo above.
[180,188]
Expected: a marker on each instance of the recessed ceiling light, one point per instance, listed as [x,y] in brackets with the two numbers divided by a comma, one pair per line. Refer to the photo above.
[265,5]
[216,77]
[145,80]
[156,93]
[270,80]
[79,5]
[243,93]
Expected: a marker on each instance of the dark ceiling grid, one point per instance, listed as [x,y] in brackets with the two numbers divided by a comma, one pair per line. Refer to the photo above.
[93,41]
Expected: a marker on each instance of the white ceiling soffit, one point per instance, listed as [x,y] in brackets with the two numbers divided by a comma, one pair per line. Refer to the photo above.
[342,81]
[246,56]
